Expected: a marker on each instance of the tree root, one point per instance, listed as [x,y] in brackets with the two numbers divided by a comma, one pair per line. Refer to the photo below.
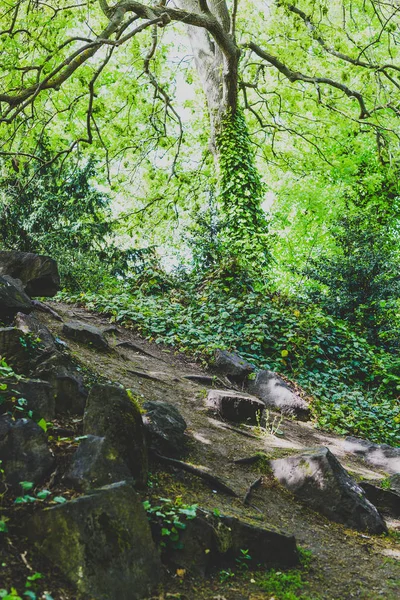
[214,481]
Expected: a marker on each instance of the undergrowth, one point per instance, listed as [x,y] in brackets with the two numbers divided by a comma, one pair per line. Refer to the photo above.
[355,386]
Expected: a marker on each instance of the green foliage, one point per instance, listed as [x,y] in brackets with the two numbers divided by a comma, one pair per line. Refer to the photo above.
[166,520]
[244,228]
[55,209]
[32,590]
[354,384]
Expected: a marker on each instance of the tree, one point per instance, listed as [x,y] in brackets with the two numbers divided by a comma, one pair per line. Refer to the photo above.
[339,57]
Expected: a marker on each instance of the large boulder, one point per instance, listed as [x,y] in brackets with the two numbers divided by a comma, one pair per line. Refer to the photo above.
[24,451]
[95,464]
[12,298]
[67,382]
[20,353]
[210,540]
[39,274]
[236,368]
[382,456]
[277,395]
[235,406]
[86,334]
[316,477]
[113,413]
[32,326]
[38,395]
[165,427]
[101,542]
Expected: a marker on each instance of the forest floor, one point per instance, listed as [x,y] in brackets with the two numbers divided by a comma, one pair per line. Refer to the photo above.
[343,564]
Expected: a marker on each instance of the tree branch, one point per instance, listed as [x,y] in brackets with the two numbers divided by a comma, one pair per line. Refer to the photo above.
[297,76]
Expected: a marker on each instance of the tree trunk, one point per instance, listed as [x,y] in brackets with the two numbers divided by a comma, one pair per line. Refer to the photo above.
[240,189]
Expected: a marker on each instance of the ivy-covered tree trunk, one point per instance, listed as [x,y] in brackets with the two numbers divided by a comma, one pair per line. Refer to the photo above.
[240,190]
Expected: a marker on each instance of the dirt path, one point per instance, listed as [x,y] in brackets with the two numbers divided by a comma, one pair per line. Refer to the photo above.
[345,565]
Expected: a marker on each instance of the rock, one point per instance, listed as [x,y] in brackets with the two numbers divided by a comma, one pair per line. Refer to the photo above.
[30,324]
[86,334]
[38,394]
[112,412]
[201,379]
[95,464]
[24,451]
[165,427]
[277,395]
[67,382]
[39,274]
[233,366]
[236,406]
[317,478]
[208,541]
[12,299]
[387,501]
[395,482]
[378,455]
[15,349]
[101,542]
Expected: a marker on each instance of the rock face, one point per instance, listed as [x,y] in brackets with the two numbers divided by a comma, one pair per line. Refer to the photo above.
[277,395]
[101,542]
[111,412]
[378,455]
[387,501]
[95,464]
[318,478]
[24,451]
[67,382]
[236,368]
[30,324]
[12,298]
[15,350]
[235,406]
[86,334]
[209,540]
[38,394]
[39,274]
[165,427]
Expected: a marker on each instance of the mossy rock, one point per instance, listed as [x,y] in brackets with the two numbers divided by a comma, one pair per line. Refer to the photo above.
[113,413]
[101,542]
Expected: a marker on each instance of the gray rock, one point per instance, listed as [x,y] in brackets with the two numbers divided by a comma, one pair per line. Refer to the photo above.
[86,334]
[38,394]
[101,542]
[317,478]
[208,541]
[39,274]
[165,427]
[67,382]
[277,395]
[24,451]
[378,455]
[387,501]
[232,365]
[236,406]
[395,482]
[95,464]
[30,324]
[12,298]
[16,350]
[113,413]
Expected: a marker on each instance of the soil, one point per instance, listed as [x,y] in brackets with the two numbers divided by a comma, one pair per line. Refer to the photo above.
[345,564]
